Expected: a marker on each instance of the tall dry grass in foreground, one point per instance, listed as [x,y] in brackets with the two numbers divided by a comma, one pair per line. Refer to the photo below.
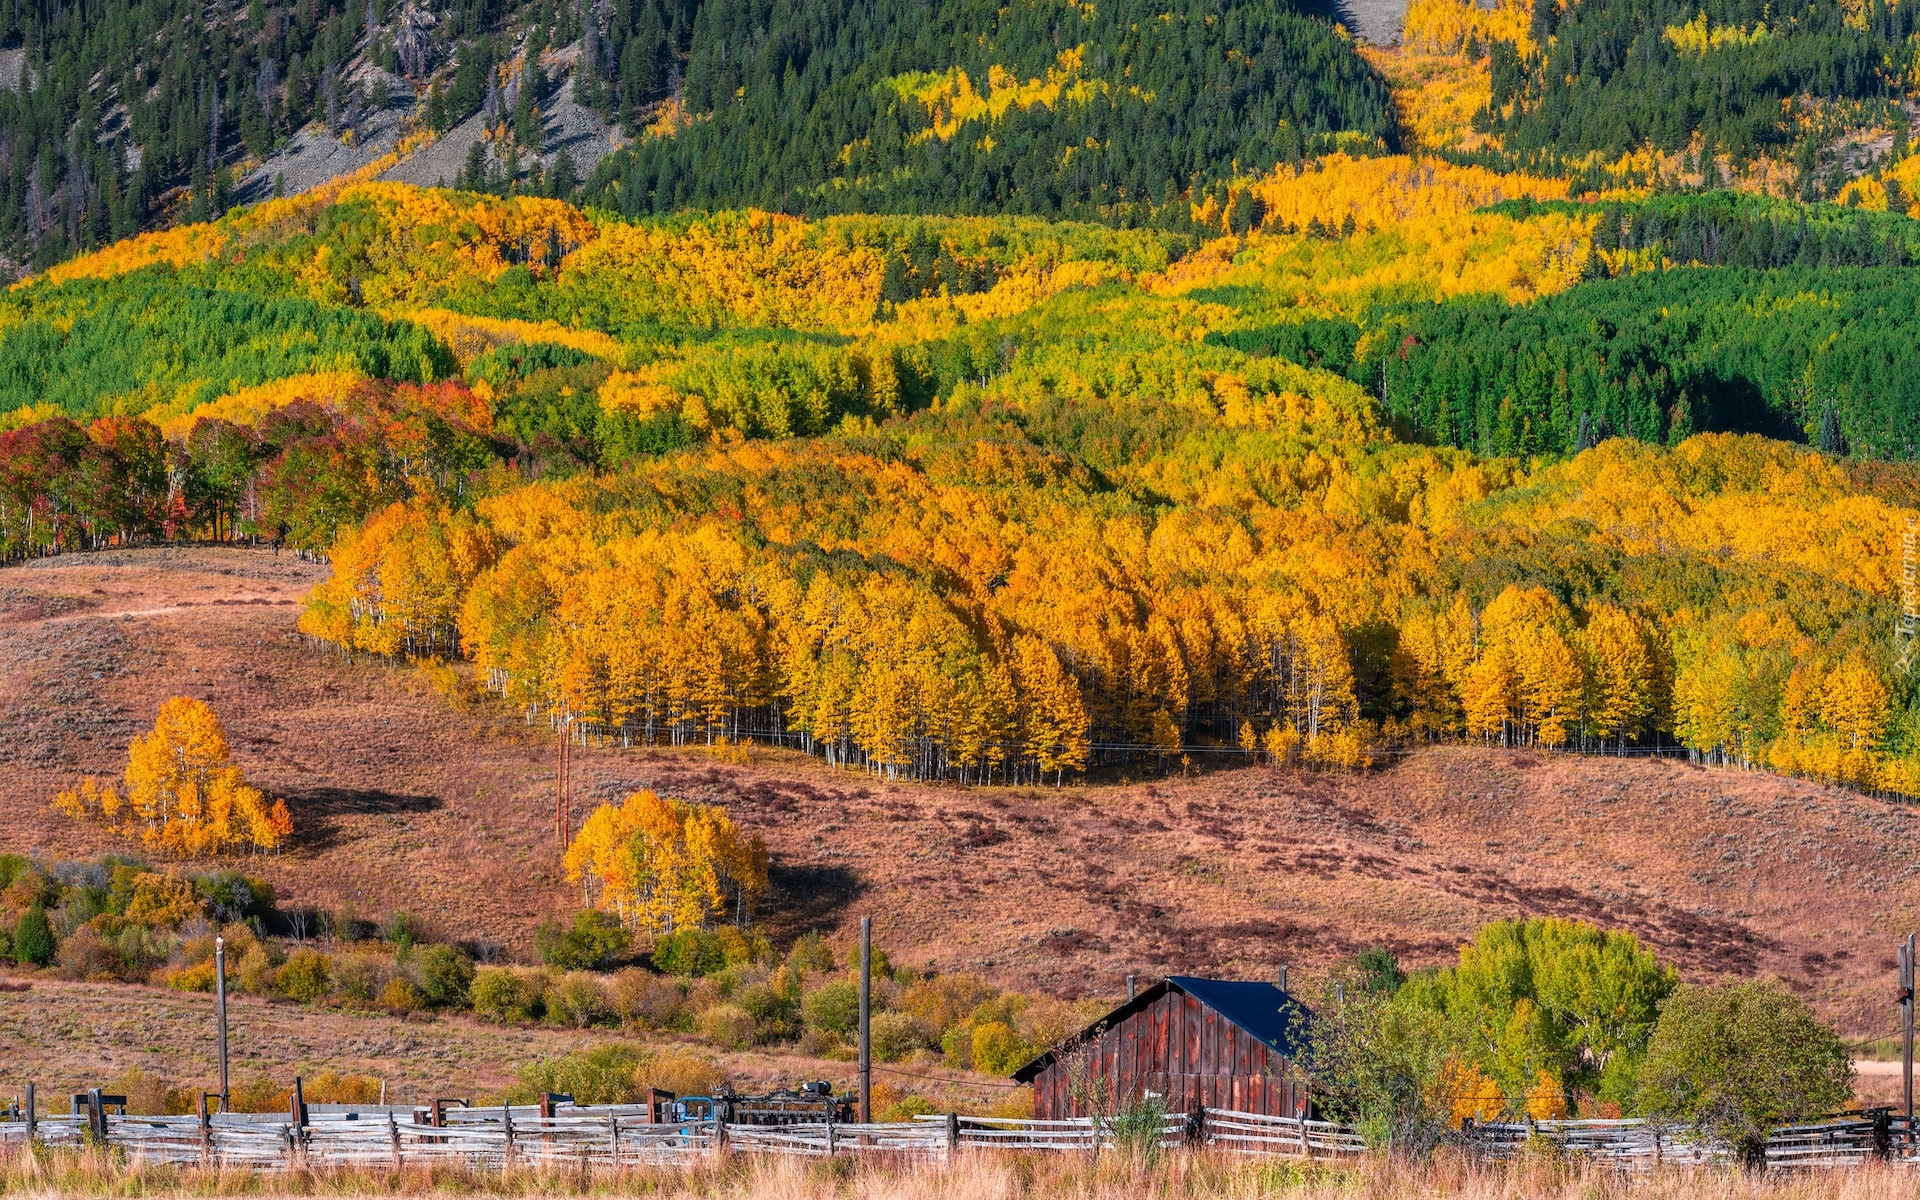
[985,1175]
[982,1176]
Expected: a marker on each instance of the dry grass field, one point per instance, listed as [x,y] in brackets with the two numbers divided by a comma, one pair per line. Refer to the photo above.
[442,807]
[66,1035]
[992,1176]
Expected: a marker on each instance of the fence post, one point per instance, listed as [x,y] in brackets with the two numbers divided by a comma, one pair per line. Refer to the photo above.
[297,1123]
[506,1121]
[866,1027]
[1197,1127]
[953,1132]
[393,1132]
[206,1135]
[33,1119]
[96,1117]
[613,1137]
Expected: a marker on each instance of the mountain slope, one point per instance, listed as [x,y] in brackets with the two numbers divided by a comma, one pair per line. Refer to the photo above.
[406,804]
[973,107]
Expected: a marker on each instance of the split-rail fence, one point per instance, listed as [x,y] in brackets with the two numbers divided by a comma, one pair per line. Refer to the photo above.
[610,1137]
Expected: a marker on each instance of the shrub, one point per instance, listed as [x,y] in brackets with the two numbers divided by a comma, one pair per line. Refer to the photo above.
[577,999]
[33,938]
[195,978]
[1735,1061]
[811,953]
[87,955]
[253,971]
[261,1094]
[957,1045]
[603,1075]
[503,995]
[775,1005]
[359,977]
[998,1050]
[148,1094]
[161,901]
[1382,1066]
[941,1003]
[706,951]
[690,952]
[904,1109]
[307,976]
[681,1072]
[6,941]
[446,976]
[399,997]
[834,1007]
[231,896]
[896,1035]
[821,1043]
[648,1000]
[1045,1021]
[727,1026]
[596,939]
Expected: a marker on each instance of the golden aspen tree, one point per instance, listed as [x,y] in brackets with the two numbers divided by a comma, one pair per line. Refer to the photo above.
[1551,682]
[1620,697]
[662,865]
[1855,702]
[1488,695]
[1055,721]
[185,795]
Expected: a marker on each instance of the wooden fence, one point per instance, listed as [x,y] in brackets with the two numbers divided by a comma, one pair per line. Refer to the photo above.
[1846,1139]
[613,1137]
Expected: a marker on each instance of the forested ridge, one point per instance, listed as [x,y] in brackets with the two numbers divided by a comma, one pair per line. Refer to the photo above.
[969,107]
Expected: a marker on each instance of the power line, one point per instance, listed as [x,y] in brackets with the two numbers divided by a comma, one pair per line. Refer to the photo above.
[980,1083]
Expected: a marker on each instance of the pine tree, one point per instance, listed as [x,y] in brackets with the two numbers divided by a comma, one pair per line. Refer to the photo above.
[1831,441]
[33,938]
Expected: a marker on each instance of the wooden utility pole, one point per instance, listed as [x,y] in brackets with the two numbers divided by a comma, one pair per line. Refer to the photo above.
[220,1015]
[866,1025]
[1906,1030]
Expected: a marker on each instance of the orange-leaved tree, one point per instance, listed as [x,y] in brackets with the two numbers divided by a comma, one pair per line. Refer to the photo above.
[663,865]
[184,795]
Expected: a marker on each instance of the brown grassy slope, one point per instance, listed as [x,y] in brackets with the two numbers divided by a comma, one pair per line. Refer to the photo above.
[409,805]
[67,1036]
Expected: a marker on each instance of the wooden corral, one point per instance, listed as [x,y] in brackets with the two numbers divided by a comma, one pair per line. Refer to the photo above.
[1195,1042]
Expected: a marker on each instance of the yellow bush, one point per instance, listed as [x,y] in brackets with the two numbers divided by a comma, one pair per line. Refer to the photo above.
[197,978]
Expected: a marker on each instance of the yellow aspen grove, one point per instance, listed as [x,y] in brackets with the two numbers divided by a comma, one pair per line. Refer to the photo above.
[662,865]
[184,797]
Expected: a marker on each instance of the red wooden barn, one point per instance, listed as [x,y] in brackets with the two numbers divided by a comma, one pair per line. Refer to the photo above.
[1213,1042]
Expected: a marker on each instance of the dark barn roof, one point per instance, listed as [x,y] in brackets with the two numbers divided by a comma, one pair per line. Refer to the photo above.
[1266,1013]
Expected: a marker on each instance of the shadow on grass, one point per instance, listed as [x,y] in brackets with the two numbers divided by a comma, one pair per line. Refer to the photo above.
[317,811]
[804,897]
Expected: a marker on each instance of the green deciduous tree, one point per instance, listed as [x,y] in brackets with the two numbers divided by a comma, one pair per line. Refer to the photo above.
[1735,1061]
